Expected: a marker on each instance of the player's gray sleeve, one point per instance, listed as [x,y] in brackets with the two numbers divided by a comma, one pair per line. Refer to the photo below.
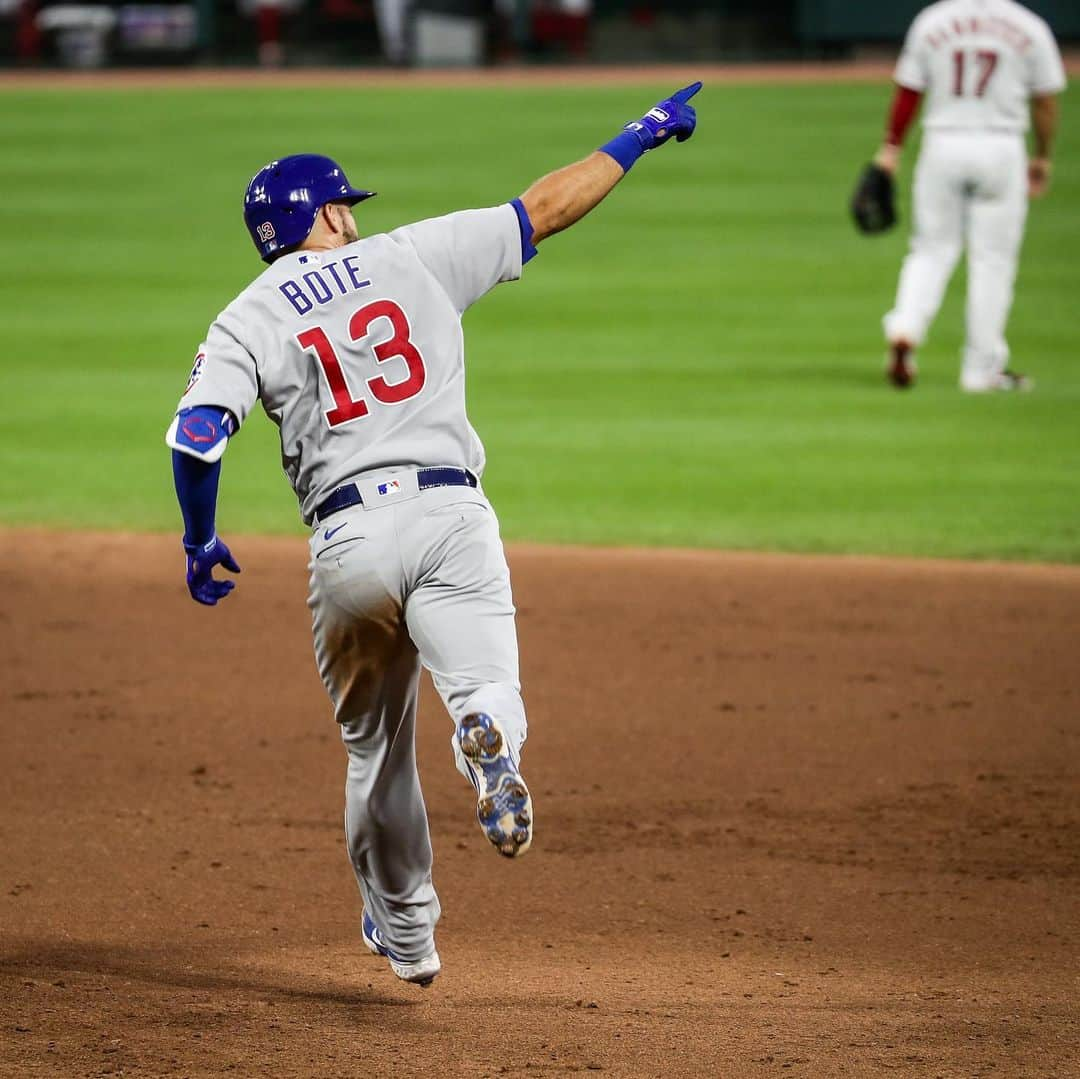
[224,373]
[469,252]
[1047,69]
[912,69]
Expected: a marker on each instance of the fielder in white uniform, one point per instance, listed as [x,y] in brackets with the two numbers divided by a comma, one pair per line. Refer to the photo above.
[354,348]
[986,69]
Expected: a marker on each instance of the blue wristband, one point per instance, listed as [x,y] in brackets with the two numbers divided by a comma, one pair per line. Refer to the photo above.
[625,148]
[528,248]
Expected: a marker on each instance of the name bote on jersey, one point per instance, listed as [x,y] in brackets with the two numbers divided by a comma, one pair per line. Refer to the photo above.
[321,283]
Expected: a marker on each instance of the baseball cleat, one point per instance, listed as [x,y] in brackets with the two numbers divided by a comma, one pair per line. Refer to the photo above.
[1006,382]
[901,367]
[503,803]
[421,973]
[1014,381]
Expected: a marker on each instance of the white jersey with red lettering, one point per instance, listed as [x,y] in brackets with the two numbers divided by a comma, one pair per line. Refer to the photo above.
[979,62]
[357,354]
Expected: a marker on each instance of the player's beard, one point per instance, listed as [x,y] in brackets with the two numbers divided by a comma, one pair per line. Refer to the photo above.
[349,234]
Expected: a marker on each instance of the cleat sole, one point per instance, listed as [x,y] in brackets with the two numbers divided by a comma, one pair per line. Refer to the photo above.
[504,806]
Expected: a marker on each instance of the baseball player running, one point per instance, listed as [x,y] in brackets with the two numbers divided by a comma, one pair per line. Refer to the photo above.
[354,348]
[978,64]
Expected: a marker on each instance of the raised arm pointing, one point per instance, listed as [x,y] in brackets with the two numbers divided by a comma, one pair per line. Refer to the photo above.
[564,197]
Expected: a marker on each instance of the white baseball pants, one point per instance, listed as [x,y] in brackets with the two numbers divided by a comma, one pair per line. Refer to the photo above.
[970,190]
[417,578]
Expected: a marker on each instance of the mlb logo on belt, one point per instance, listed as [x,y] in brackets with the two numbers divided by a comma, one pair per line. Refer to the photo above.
[392,487]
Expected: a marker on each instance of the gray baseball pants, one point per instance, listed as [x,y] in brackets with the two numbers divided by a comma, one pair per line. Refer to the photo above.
[412,578]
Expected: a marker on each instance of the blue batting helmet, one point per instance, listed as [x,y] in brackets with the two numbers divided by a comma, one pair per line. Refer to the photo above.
[284,198]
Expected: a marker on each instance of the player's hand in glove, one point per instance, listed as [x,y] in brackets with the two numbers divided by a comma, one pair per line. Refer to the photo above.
[201,559]
[672,116]
[873,206]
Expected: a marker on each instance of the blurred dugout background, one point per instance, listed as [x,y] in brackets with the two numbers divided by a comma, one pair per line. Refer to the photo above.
[458,32]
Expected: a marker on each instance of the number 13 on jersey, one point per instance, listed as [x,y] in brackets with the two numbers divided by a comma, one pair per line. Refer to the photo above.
[398,346]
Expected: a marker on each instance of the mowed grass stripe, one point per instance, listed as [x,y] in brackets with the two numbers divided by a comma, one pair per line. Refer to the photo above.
[697,364]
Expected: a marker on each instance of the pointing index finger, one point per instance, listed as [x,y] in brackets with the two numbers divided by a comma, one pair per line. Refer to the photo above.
[687,92]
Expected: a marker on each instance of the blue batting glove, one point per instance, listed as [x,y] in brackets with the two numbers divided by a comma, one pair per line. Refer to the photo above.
[672,116]
[201,559]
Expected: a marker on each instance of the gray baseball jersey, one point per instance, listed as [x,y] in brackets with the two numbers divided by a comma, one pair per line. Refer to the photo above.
[357,354]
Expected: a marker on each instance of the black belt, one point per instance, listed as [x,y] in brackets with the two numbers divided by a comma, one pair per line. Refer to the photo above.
[348,494]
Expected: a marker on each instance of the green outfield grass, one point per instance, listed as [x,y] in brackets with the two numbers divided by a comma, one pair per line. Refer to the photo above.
[699,363]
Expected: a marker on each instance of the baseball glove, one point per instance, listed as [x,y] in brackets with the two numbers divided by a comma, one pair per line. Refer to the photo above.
[874,203]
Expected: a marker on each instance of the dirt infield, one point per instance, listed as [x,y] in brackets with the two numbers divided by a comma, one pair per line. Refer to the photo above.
[201,78]
[813,817]
[555,75]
